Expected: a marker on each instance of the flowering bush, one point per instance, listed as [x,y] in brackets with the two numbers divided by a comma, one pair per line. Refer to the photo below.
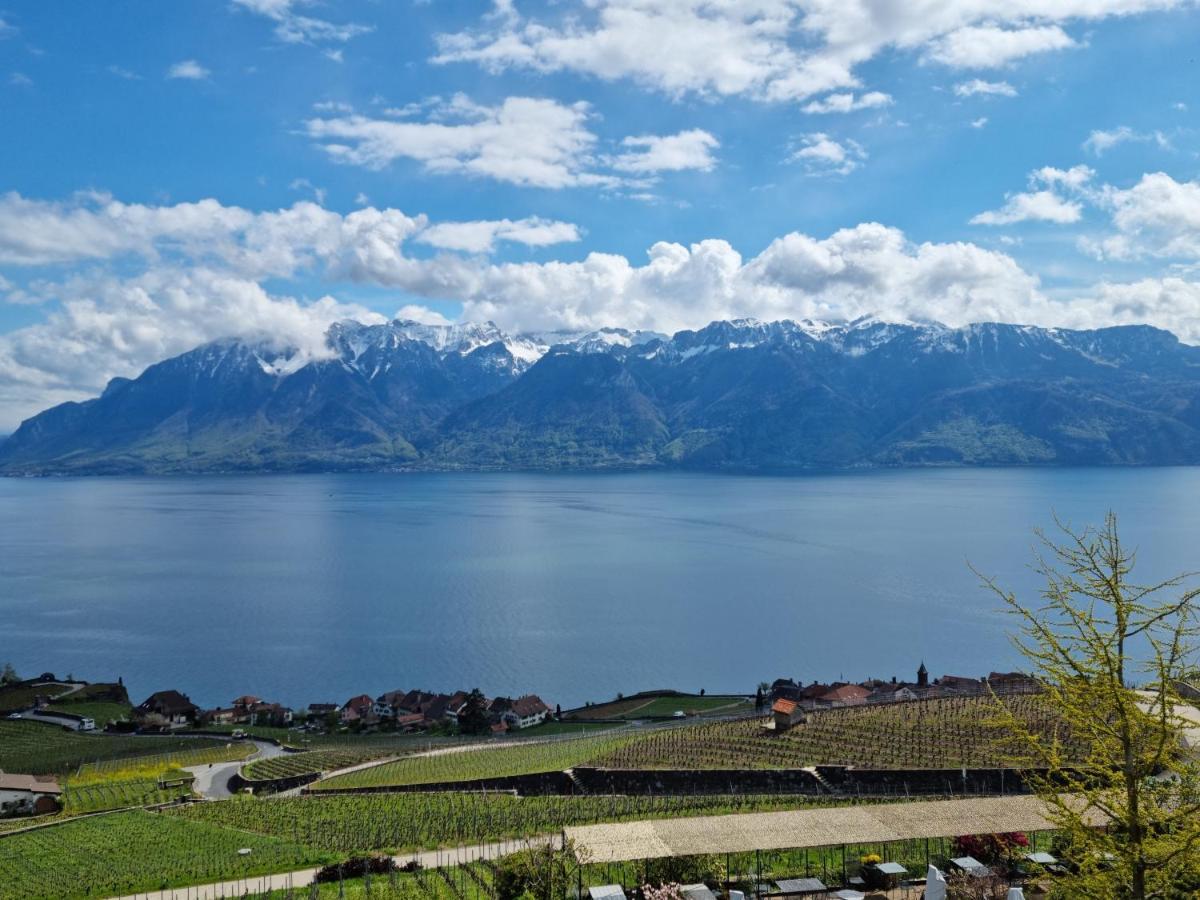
[991,848]
[669,891]
[871,859]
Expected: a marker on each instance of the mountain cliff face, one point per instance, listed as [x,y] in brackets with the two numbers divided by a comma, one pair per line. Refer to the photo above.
[736,395]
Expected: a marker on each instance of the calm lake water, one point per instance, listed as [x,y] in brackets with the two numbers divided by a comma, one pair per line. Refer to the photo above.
[314,588]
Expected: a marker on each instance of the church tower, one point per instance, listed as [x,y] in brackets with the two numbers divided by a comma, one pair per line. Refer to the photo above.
[922,675]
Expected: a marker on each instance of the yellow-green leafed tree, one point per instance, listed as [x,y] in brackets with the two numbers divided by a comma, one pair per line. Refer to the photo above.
[1120,756]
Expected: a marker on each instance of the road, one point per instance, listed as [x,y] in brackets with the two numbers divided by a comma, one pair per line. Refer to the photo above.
[429,859]
[212,781]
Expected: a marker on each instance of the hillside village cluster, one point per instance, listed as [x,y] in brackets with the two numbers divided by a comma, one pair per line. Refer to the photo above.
[398,710]
[790,701]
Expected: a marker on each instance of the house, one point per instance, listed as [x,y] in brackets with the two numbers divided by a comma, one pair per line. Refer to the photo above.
[787,713]
[960,685]
[358,709]
[220,716]
[413,702]
[526,712]
[784,689]
[272,714]
[1013,682]
[845,695]
[172,706]
[455,704]
[388,706]
[320,710]
[246,702]
[26,795]
[410,722]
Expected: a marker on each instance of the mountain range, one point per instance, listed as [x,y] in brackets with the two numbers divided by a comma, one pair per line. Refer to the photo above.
[736,395]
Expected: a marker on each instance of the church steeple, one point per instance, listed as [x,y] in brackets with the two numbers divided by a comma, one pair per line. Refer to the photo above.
[922,675]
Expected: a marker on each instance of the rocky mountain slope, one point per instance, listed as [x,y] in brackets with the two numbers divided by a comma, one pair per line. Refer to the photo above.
[734,395]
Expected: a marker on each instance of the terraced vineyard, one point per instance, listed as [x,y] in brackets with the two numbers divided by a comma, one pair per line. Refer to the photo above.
[119,794]
[40,749]
[401,822]
[943,733]
[136,851]
[195,753]
[313,761]
[486,762]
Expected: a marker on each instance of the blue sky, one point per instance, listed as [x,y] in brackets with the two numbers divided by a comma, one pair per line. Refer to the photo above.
[177,172]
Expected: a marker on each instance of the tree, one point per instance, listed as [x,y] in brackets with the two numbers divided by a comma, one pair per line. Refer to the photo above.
[1117,757]
[9,675]
[473,717]
[542,871]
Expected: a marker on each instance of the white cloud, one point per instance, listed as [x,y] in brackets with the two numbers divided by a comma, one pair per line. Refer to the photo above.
[188,69]
[1099,140]
[481,236]
[124,73]
[6,29]
[822,155]
[990,46]
[770,50]
[1157,217]
[980,122]
[524,140]
[1045,205]
[293,28]
[650,154]
[20,79]
[988,88]
[416,313]
[848,102]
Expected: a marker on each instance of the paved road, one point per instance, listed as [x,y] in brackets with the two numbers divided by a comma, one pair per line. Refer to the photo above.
[302,878]
[212,781]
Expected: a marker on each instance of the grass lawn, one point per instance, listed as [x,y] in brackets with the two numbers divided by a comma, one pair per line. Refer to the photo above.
[14,698]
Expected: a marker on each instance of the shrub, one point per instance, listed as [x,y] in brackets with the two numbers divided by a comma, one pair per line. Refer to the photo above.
[355,867]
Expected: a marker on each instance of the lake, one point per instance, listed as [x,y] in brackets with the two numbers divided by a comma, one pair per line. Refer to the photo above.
[313,588]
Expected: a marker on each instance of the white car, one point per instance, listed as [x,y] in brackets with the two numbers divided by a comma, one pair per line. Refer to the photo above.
[13,716]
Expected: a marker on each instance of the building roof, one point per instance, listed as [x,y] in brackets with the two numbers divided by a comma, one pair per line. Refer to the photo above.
[360,700]
[247,700]
[846,692]
[529,705]
[28,783]
[783,707]
[168,703]
[797,829]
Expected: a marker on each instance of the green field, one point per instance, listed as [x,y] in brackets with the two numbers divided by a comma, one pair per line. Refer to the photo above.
[13,697]
[122,793]
[630,708]
[101,711]
[40,749]
[402,822]
[944,733]
[136,851]
[313,761]
[486,762]
[192,753]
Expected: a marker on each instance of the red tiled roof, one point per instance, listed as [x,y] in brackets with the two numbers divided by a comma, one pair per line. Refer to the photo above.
[784,707]
[846,692]
[529,705]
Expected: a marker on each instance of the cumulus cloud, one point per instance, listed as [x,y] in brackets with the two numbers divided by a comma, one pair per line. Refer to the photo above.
[770,50]
[146,282]
[1044,205]
[848,102]
[1157,217]
[292,27]
[650,154]
[987,88]
[189,70]
[822,155]
[481,236]
[525,141]
[990,46]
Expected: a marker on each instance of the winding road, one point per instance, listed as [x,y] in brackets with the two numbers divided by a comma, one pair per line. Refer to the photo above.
[212,781]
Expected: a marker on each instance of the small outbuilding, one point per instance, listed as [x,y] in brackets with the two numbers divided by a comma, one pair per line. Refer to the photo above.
[787,713]
[26,795]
